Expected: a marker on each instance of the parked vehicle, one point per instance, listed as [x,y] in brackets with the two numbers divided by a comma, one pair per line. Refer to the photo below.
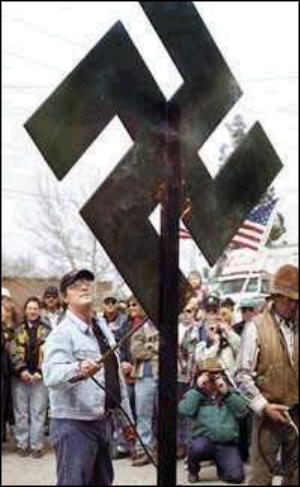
[246,284]
[247,273]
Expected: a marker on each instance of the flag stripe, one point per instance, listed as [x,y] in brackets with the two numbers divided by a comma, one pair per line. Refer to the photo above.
[252,226]
[245,242]
[247,234]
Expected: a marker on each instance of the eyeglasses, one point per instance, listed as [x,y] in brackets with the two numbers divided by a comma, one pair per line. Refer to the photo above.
[54,296]
[132,305]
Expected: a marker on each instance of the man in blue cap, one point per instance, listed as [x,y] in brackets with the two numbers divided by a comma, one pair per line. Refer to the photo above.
[80,411]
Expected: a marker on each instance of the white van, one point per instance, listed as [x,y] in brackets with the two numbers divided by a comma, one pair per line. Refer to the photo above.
[247,284]
[247,273]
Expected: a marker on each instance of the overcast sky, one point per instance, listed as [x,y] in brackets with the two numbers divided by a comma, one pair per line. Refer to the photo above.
[44,41]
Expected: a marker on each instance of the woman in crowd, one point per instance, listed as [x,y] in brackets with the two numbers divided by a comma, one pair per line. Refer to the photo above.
[198,289]
[28,390]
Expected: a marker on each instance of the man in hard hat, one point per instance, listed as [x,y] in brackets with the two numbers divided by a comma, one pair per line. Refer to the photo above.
[214,408]
[267,374]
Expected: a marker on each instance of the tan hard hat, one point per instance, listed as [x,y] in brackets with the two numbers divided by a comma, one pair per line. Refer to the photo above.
[211,364]
[286,282]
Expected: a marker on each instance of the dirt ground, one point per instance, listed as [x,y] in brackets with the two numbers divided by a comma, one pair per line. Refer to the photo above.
[32,471]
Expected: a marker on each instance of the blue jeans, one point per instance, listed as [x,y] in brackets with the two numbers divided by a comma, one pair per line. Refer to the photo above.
[82,450]
[145,398]
[118,437]
[30,406]
[226,455]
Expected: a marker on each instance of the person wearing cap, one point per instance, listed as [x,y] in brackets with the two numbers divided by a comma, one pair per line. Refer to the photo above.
[214,408]
[80,411]
[52,314]
[267,373]
[115,320]
[188,338]
[248,308]
[53,310]
[112,314]
[248,311]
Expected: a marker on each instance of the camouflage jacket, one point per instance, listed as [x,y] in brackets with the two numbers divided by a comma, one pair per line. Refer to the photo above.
[27,348]
[144,346]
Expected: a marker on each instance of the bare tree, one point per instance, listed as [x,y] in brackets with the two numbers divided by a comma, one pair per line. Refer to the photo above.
[13,265]
[59,233]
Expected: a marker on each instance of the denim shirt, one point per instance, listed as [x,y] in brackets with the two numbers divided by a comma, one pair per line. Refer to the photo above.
[69,343]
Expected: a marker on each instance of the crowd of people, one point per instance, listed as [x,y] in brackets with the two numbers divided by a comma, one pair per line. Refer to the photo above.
[237,380]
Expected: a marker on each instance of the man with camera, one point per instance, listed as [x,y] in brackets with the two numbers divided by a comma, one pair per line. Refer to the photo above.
[222,342]
[267,373]
[215,409]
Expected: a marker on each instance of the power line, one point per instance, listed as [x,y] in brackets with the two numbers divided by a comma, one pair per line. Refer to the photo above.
[272,78]
[31,87]
[33,61]
[42,31]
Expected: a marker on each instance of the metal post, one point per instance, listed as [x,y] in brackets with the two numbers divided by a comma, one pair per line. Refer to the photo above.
[168,306]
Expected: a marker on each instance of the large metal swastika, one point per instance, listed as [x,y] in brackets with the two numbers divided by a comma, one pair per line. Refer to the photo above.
[113,79]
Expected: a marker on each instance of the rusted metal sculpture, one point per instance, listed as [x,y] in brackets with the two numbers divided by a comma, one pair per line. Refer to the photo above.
[163,166]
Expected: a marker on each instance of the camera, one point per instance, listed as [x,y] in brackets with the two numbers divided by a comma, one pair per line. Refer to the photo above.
[213,376]
[223,337]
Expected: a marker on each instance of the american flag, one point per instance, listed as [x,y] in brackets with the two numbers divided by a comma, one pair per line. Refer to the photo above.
[255,229]
[253,233]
